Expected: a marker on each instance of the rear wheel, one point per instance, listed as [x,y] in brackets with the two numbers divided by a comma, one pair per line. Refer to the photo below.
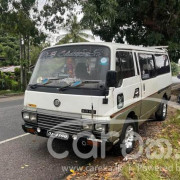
[126,143]
[161,113]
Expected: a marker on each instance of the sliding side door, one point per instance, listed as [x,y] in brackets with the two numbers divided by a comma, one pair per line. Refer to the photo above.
[149,85]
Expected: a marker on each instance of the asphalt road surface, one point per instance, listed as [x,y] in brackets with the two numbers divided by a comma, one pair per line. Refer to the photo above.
[24,156]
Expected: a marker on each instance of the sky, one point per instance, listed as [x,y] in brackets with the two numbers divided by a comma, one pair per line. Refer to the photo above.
[53,37]
[41,4]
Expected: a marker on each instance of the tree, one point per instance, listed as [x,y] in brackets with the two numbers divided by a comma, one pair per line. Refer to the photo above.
[53,13]
[9,49]
[138,22]
[75,32]
[15,18]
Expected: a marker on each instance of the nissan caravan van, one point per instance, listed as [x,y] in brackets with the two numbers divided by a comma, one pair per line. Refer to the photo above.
[105,89]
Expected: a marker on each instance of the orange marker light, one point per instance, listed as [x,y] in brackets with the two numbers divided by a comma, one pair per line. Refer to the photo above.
[32,105]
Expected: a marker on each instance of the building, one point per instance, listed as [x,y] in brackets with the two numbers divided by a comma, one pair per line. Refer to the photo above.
[9,69]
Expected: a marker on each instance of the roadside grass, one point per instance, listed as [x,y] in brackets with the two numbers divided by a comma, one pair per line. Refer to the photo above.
[9,92]
[164,168]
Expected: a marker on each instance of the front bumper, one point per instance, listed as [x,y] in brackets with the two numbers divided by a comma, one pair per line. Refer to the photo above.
[88,140]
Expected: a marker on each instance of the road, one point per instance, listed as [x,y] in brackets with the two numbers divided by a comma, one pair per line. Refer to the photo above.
[24,156]
[10,117]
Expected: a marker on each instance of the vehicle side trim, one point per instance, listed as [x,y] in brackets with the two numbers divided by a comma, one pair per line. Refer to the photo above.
[123,110]
[136,103]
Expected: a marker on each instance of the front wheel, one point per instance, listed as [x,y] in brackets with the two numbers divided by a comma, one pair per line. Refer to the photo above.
[126,143]
[161,113]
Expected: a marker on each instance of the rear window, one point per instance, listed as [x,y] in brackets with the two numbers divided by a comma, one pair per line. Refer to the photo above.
[162,64]
[147,66]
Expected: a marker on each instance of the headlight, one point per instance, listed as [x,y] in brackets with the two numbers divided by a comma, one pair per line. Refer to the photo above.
[100,127]
[29,117]
[33,117]
[26,116]
[87,126]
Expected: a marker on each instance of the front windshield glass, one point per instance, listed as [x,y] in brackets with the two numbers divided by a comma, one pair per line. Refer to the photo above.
[72,66]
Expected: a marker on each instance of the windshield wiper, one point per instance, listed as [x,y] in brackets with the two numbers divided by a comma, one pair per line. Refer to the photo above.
[75,84]
[63,88]
[34,86]
[44,82]
[91,81]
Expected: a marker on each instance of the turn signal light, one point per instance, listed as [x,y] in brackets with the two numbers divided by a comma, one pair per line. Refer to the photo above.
[30,130]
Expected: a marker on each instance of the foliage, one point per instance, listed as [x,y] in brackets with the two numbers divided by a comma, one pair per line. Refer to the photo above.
[148,23]
[53,13]
[9,81]
[7,92]
[75,32]
[17,74]
[16,19]
[9,49]
[174,51]
[174,68]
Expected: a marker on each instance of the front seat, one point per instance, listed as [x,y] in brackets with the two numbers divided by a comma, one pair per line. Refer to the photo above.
[81,71]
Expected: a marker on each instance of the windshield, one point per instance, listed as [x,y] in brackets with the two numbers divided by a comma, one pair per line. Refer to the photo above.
[72,66]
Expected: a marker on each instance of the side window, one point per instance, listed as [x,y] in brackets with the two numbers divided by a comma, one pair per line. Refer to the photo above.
[162,64]
[124,65]
[147,66]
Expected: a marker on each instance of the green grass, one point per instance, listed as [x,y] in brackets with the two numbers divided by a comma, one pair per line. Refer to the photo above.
[148,169]
[8,92]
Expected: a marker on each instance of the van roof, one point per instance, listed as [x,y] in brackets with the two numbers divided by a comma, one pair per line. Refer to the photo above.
[116,46]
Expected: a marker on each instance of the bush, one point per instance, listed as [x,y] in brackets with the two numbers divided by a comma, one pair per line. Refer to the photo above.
[14,85]
[175,69]
[9,81]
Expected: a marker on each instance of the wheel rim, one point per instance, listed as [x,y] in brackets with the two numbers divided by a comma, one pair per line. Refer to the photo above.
[164,109]
[129,137]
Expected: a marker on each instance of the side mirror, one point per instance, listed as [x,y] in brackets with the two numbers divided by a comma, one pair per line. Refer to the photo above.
[111,79]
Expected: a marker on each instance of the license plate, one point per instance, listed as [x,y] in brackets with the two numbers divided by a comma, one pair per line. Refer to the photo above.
[59,135]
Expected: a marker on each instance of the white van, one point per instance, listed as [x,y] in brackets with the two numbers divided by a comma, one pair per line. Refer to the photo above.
[98,88]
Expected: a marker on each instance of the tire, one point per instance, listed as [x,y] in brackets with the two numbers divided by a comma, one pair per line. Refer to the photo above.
[161,113]
[126,143]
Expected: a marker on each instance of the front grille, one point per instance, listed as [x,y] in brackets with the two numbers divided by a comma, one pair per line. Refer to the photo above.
[61,124]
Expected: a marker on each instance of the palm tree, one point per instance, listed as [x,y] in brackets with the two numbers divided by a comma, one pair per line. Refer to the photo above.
[75,32]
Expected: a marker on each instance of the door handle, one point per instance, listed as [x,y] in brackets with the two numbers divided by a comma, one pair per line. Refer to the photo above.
[144,87]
